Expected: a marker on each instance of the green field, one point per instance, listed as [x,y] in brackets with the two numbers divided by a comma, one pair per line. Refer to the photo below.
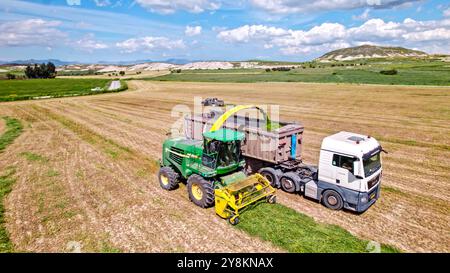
[11,90]
[410,72]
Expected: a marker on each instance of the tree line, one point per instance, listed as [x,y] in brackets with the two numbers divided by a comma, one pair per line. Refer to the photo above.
[42,71]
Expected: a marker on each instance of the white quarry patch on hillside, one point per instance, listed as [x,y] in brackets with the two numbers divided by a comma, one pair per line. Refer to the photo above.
[207,65]
[158,66]
[111,68]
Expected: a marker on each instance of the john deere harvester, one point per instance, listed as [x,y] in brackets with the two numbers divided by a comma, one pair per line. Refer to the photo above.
[212,168]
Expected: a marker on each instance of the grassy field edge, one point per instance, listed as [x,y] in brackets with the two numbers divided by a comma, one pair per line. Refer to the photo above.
[13,130]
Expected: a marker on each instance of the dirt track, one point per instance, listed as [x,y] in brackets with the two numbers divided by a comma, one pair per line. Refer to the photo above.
[112,198]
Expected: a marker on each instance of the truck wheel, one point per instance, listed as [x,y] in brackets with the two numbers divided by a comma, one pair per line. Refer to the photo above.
[168,178]
[271,175]
[289,182]
[332,200]
[201,191]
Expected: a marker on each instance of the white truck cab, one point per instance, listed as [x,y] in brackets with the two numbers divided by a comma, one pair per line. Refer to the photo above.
[349,171]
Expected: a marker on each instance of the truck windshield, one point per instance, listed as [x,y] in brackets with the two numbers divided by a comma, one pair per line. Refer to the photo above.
[371,164]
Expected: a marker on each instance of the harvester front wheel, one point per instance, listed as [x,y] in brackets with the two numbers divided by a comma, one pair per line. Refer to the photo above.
[168,178]
[201,191]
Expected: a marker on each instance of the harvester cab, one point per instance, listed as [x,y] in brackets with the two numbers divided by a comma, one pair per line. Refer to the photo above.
[212,169]
[222,150]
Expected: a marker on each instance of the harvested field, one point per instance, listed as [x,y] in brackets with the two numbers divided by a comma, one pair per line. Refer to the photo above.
[90,161]
[2,126]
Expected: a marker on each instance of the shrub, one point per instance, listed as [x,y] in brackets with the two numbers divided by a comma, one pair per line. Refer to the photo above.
[389,72]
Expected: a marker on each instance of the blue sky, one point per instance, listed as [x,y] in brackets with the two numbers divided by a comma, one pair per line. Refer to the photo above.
[295,30]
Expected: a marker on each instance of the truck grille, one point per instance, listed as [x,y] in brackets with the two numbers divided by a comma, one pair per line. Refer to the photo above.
[373,182]
[178,159]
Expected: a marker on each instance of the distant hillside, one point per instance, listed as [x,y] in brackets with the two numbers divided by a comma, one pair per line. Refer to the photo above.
[369,52]
[33,61]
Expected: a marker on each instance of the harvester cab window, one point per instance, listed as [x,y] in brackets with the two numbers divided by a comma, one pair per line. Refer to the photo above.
[211,150]
[229,153]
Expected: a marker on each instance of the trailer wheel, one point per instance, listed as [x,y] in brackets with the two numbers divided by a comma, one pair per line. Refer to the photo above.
[332,200]
[201,191]
[289,182]
[271,175]
[168,178]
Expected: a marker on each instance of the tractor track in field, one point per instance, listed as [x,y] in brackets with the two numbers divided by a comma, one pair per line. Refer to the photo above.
[412,213]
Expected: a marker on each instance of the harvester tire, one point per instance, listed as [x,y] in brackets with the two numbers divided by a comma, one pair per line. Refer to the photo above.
[332,200]
[201,191]
[289,182]
[271,175]
[168,178]
[272,199]
[233,220]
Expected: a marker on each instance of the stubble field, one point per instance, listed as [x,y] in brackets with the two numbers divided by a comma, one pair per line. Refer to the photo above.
[85,167]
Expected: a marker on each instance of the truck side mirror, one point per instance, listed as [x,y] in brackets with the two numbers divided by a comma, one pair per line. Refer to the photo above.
[357,169]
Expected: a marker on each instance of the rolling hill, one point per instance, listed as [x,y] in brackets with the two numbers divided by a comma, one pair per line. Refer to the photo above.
[370,52]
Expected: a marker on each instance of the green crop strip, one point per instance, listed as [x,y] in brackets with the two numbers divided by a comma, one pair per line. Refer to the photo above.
[299,233]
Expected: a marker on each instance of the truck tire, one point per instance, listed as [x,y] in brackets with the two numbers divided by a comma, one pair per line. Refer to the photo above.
[332,200]
[271,175]
[201,191]
[290,182]
[168,178]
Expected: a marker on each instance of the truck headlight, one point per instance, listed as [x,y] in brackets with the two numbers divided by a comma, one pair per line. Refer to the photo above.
[363,199]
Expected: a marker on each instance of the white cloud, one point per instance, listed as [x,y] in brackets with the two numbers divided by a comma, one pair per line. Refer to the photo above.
[99,3]
[193,31]
[89,44]
[171,6]
[149,44]
[73,2]
[328,36]
[446,12]
[303,6]
[364,16]
[253,32]
[31,32]
[102,3]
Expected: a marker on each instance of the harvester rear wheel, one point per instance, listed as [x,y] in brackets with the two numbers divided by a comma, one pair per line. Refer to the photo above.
[168,178]
[201,191]
[271,175]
